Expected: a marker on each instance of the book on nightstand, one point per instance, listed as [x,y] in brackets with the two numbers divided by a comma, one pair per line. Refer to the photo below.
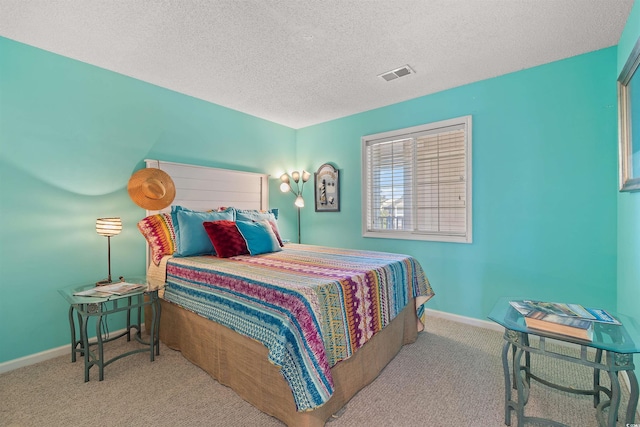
[566,310]
[119,288]
[563,325]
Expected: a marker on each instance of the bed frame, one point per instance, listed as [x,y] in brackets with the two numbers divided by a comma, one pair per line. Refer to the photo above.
[240,362]
[203,188]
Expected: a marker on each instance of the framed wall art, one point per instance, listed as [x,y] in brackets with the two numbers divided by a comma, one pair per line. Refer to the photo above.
[629,118]
[327,183]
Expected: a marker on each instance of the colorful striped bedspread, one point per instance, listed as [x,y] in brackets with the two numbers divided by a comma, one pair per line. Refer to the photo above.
[311,306]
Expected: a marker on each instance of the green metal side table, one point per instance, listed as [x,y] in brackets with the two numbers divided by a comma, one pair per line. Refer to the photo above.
[617,343]
[82,308]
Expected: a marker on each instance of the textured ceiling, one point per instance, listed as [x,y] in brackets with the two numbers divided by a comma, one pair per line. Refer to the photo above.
[299,63]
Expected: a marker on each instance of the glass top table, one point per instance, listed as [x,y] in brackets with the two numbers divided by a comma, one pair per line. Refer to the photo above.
[623,338]
[84,307]
[614,347]
[69,291]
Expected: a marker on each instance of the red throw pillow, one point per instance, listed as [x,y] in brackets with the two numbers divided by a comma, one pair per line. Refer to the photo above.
[226,238]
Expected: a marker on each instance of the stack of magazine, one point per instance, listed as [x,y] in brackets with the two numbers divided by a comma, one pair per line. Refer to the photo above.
[119,288]
[572,320]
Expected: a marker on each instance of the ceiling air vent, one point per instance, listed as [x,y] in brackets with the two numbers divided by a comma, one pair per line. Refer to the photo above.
[398,72]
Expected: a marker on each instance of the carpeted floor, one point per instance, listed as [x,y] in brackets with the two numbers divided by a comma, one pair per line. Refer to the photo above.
[452,376]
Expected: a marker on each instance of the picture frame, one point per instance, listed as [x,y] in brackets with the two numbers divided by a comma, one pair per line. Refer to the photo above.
[628,118]
[327,188]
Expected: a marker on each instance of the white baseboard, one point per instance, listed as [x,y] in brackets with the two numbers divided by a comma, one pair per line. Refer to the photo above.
[35,358]
[463,319]
[32,359]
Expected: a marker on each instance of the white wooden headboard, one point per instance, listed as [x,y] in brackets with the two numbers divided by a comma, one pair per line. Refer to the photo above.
[204,188]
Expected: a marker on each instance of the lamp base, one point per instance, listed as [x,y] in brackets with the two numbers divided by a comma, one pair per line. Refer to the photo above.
[108,281]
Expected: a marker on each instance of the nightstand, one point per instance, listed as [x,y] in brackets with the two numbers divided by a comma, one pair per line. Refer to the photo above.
[81,308]
[614,347]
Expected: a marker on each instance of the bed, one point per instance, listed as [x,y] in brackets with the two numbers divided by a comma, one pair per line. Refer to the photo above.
[296,330]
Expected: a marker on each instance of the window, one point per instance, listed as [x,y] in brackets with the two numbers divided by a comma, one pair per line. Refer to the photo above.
[417,182]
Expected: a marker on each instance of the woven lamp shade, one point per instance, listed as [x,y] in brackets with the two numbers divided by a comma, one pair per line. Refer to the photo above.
[108,226]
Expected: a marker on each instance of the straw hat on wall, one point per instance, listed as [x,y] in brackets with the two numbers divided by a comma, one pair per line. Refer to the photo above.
[151,189]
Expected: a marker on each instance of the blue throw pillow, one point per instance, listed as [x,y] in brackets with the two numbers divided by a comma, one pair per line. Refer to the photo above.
[259,236]
[255,215]
[191,237]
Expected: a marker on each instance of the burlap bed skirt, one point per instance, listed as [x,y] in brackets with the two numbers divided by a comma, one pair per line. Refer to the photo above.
[241,363]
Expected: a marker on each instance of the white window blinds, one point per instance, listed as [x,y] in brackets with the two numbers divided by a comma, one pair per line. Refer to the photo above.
[391,171]
[418,182]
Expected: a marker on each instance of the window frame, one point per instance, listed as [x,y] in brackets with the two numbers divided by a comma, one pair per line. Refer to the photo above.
[466,123]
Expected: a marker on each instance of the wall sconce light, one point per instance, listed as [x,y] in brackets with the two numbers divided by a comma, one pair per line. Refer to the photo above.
[108,227]
[286,186]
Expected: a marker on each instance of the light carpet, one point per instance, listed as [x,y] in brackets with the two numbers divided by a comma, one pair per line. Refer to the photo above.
[451,376]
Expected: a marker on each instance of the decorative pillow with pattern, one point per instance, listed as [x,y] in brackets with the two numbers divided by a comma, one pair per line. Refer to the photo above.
[226,238]
[276,232]
[160,234]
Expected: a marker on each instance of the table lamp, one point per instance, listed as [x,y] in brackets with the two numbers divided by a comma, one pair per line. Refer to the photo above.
[108,227]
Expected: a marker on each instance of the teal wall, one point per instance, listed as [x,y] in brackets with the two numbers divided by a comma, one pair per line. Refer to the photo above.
[71,135]
[544,186]
[544,182]
[629,204]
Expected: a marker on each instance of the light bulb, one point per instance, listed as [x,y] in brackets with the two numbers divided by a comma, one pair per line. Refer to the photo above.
[284,187]
[299,202]
[284,177]
[305,176]
[295,175]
